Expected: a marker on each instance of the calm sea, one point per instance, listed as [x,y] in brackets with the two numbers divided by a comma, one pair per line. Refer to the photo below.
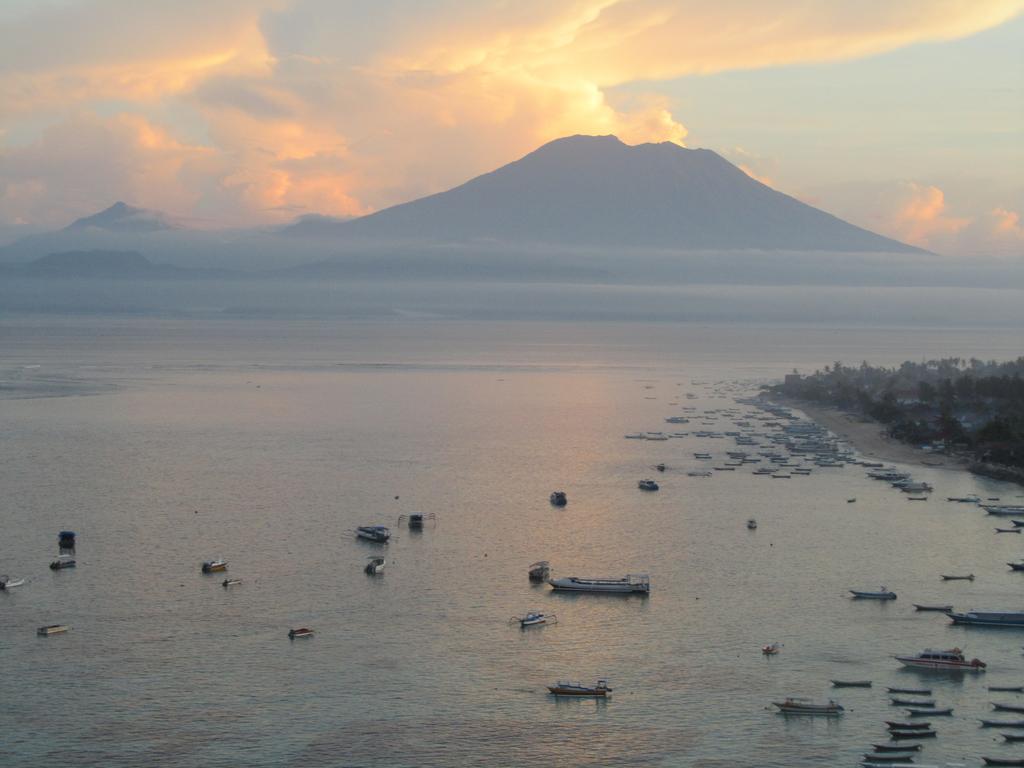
[165,442]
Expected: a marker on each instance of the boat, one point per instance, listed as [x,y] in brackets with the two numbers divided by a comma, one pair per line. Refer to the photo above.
[896,748]
[873,758]
[214,566]
[52,629]
[1007,708]
[375,566]
[6,582]
[771,649]
[565,688]
[881,594]
[1002,723]
[796,706]
[535,618]
[62,561]
[647,485]
[540,571]
[851,501]
[989,618]
[639,583]
[930,712]
[1006,688]
[1003,760]
[300,632]
[970,499]
[1016,566]
[909,703]
[911,691]
[558,498]
[1003,510]
[660,467]
[894,726]
[752,524]
[231,582]
[953,659]
[379,534]
[851,683]
[897,735]
[948,577]
[66,539]
[1008,530]
[700,473]
[1013,737]
[936,608]
[416,520]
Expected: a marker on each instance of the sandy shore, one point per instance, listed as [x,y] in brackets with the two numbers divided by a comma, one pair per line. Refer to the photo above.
[869,437]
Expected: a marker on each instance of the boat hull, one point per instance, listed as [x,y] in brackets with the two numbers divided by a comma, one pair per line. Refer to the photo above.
[991,619]
[941,666]
[603,586]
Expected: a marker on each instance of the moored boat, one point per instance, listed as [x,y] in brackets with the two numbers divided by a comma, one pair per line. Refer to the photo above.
[910,703]
[1003,760]
[375,566]
[1002,723]
[771,649]
[948,577]
[797,706]
[989,618]
[534,619]
[1007,708]
[6,582]
[378,534]
[911,691]
[300,632]
[214,566]
[851,683]
[930,712]
[935,608]
[62,562]
[647,485]
[540,571]
[895,726]
[874,758]
[558,498]
[565,688]
[897,747]
[953,659]
[752,524]
[1006,688]
[52,629]
[881,594]
[639,583]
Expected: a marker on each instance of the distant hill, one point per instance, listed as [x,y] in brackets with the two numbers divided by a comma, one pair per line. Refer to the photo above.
[101,264]
[597,191]
[121,217]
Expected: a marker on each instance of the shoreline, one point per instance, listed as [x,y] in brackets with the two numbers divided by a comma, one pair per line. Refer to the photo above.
[869,438]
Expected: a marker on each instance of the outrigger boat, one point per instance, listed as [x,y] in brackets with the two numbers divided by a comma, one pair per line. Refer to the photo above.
[565,688]
[881,594]
[953,659]
[797,706]
[894,726]
[935,608]
[896,748]
[540,571]
[911,691]
[300,632]
[851,683]
[379,534]
[231,582]
[1007,708]
[535,618]
[639,583]
[214,566]
[375,566]
[416,520]
[62,562]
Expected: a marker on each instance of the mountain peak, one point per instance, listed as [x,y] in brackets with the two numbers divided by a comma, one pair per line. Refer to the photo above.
[121,217]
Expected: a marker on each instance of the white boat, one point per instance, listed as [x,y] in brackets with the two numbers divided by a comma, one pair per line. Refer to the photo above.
[953,659]
[881,594]
[214,566]
[795,706]
[52,629]
[375,566]
[639,583]
[230,583]
[6,582]
[535,618]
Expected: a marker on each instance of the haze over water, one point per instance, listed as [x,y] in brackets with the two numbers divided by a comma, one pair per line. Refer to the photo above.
[174,441]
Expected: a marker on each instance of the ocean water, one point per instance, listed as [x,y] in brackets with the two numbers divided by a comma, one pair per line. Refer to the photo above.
[165,442]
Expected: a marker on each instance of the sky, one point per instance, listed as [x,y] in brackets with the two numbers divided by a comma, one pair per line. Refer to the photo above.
[903,116]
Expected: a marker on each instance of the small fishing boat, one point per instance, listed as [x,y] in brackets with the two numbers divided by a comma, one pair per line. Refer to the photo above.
[565,688]
[968,577]
[930,712]
[375,566]
[1016,566]
[6,582]
[214,566]
[965,499]
[660,467]
[911,691]
[639,583]
[1006,688]
[416,520]
[1003,760]
[917,498]
[62,562]
[66,539]
[700,473]
[894,726]
[752,524]
[851,683]
[797,706]
[52,629]
[1013,738]
[1002,723]
[378,534]
[300,632]
[558,498]
[935,608]
[1007,708]
[897,748]
[914,734]
[1007,530]
[540,571]
[881,594]
[873,758]
[953,659]
[848,501]
[647,485]
[534,619]
[771,649]
[909,703]
[231,582]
